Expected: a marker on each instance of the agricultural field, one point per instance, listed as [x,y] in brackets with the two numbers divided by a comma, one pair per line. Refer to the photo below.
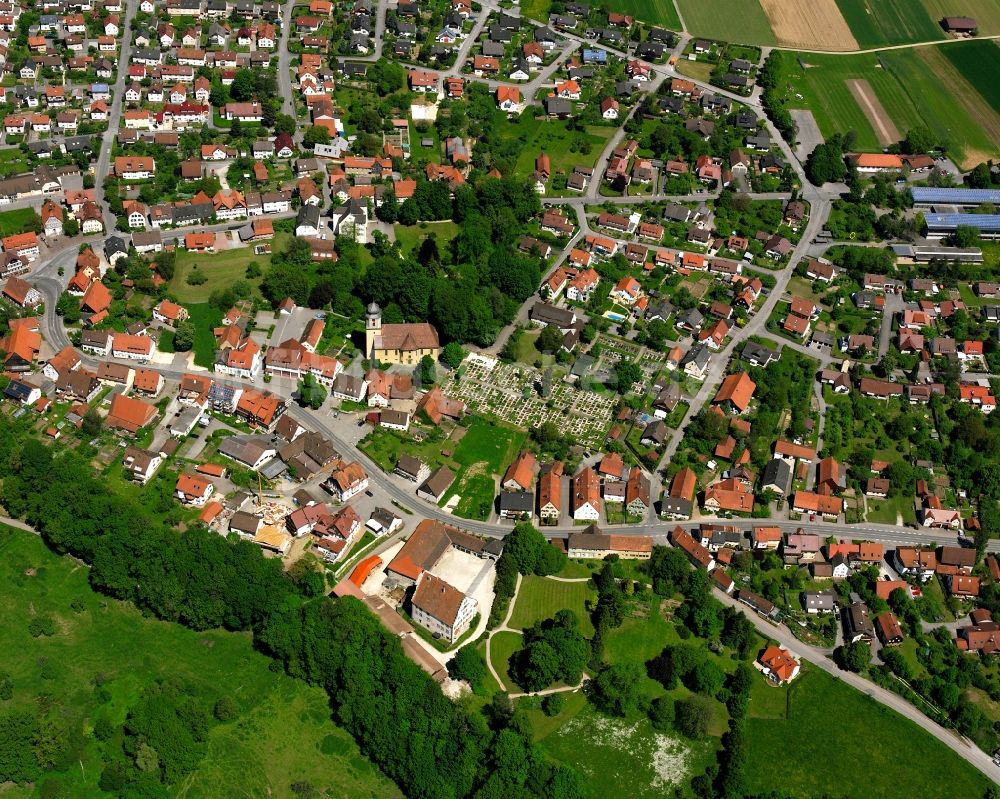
[817,25]
[658,12]
[979,63]
[906,84]
[986,13]
[282,733]
[795,721]
[886,22]
[221,268]
[541,598]
[737,21]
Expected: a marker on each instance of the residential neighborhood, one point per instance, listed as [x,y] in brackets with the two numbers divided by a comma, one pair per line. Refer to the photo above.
[546,362]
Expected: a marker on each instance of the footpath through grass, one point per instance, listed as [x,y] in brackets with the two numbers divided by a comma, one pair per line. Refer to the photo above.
[541,598]
[282,733]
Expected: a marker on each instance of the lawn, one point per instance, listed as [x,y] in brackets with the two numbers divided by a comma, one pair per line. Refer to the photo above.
[907,83]
[575,569]
[477,492]
[737,21]
[283,733]
[385,446]
[541,598]
[205,319]
[411,237]
[884,511]
[875,24]
[502,646]
[222,269]
[823,715]
[16,221]
[536,9]
[641,637]
[13,162]
[699,70]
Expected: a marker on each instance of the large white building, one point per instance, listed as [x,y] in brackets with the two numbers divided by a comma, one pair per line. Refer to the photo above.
[441,608]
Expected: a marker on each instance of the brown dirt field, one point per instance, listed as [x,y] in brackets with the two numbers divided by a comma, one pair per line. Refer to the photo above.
[881,122]
[812,25]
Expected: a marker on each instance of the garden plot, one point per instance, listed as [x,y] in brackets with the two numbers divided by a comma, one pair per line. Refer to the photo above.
[509,393]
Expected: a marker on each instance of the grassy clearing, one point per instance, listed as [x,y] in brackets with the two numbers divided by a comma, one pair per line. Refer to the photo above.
[804,735]
[541,598]
[283,733]
[410,238]
[385,446]
[986,13]
[737,21]
[478,492]
[625,756]
[16,221]
[875,24]
[204,318]
[553,137]
[482,453]
[222,269]
[699,70]
[492,444]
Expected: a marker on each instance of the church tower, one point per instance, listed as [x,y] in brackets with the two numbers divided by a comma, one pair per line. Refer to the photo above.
[373,328]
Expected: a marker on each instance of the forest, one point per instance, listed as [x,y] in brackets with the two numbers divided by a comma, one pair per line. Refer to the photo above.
[468,290]
[399,716]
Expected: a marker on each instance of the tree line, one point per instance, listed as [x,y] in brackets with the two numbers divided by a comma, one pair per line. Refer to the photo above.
[428,745]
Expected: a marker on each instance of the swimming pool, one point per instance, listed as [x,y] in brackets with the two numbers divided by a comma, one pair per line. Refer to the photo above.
[614,317]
